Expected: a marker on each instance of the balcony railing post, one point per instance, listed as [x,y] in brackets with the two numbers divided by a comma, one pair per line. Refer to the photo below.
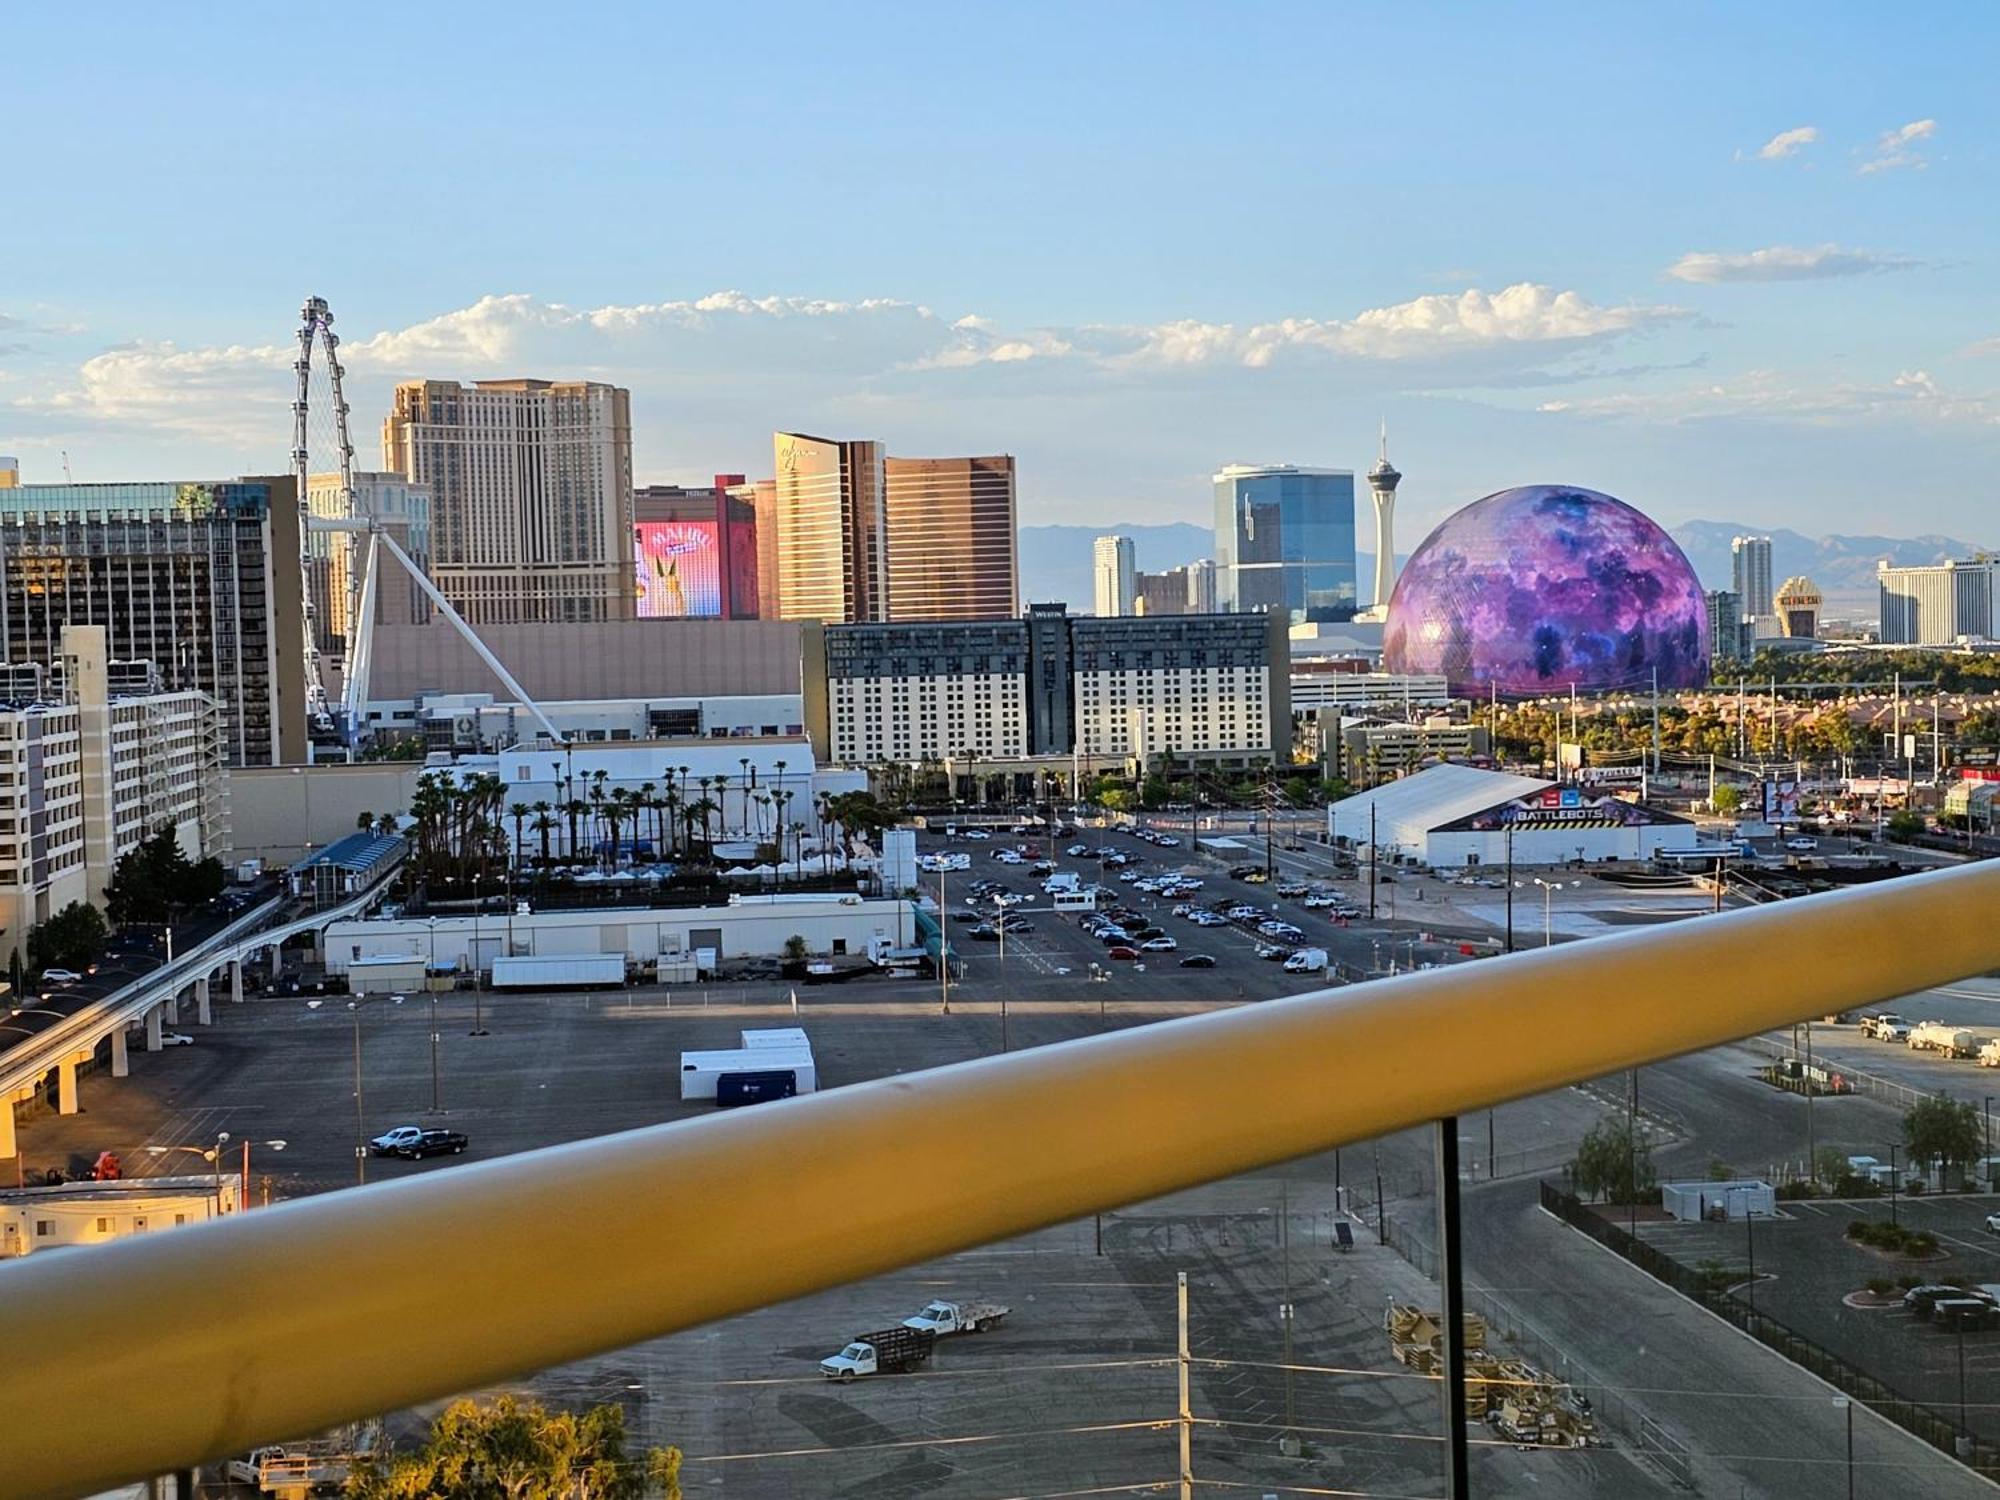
[1451,1278]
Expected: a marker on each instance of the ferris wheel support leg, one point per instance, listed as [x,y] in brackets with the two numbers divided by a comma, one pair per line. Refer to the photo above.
[471,637]
[361,645]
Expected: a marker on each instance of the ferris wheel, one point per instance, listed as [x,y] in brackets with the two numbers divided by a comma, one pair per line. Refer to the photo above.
[316,326]
[319,427]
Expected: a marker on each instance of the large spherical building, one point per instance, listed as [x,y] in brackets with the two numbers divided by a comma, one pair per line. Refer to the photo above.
[1544,588]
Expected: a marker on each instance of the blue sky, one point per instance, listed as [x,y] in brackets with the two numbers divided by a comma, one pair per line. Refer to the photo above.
[1723,262]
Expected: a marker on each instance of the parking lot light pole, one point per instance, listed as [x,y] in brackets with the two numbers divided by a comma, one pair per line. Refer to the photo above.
[1895,1176]
[436,1108]
[1986,1112]
[360,1145]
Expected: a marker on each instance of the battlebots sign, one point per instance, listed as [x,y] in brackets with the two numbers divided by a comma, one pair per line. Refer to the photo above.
[680,569]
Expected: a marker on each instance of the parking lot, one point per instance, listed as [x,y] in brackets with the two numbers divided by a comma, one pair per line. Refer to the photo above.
[1057,945]
[1806,1266]
[1072,1393]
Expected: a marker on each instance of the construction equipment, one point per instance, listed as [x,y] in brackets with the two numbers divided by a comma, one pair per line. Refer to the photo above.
[1522,1403]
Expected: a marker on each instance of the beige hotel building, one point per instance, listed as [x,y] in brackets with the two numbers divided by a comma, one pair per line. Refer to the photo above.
[531,495]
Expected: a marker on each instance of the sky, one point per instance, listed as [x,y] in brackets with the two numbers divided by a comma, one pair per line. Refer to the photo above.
[1724,262]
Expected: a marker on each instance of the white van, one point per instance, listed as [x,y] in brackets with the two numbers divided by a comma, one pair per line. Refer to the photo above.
[1307,961]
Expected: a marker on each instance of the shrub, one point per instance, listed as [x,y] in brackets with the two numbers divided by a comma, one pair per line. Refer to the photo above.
[1857,1229]
[1796,1188]
[1906,1282]
[1881,1286]
[1922,1242]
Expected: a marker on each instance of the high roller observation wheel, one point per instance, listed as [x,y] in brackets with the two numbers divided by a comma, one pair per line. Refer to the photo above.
[316,324]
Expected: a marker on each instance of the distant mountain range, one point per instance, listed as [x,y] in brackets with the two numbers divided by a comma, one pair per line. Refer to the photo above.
[1055,560]
[1842,566]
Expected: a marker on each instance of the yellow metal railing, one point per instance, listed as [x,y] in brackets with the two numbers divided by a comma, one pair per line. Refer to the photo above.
[144,1355]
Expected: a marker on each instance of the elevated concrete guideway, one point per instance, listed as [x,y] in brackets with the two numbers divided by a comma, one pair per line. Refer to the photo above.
[153,999]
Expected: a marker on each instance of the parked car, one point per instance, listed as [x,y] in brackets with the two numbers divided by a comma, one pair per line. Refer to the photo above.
[434,1143]
[1274,952]
[61,977]
[390,1142]
[1993,1223]
[1801,845]
[1077,851]
[985,932]
[977,833]
[1121,950]
[176,1039]
[1204,961]
[1158,945]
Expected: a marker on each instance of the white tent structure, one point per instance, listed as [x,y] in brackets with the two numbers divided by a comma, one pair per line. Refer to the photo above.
[1454,815]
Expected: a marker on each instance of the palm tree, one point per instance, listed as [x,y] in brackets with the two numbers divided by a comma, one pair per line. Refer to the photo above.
[545,824]
[519,813]
[721,804]
[749,786]
[366,822]
[385,825]
[647,803]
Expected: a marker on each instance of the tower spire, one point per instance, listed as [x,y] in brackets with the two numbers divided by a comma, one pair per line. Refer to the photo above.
[1383,452]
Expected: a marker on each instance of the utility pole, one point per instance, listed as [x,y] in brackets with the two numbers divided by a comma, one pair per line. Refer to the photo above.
[1812,1171]
[1186,1411]
[436,1108]
[360,1131]
[944,952]
[1656,721]
[1285,1307]
[1510,888]
[1371,860]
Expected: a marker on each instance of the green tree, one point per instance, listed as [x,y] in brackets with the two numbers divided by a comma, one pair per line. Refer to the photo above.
[796,949]
[1905,825]
[509,1449]
[72,938]
[1943,1129]
[1612,1164]
[1726,800]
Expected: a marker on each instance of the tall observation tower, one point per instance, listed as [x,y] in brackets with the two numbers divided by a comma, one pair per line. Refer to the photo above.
[1382,482]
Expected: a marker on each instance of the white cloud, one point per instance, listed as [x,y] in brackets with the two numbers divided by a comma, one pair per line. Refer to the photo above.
[1982,347]
[1773,396]
[1519,316]
[1896,148]
[1787,143]
[1783,263]
[784,353]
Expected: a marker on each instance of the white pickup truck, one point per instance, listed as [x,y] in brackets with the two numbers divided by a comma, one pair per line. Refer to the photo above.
[947,1318]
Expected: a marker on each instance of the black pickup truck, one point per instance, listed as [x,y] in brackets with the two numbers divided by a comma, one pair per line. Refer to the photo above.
[434,1143]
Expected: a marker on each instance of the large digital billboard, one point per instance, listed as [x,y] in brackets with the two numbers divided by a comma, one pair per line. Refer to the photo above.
[680,569]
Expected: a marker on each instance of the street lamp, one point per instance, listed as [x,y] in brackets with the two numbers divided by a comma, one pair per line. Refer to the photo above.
[1549,889]
[436,1108]
[1895,1177]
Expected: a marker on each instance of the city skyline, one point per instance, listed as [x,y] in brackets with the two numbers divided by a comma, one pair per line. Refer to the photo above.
[1786,317]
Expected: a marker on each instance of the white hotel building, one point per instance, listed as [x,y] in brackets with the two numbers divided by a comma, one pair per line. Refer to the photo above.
[1181,687]
[88,769]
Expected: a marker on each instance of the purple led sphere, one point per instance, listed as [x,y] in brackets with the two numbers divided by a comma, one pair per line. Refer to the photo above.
[1544,588]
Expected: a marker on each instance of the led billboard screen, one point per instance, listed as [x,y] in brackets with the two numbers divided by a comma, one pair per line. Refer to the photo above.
[680,572]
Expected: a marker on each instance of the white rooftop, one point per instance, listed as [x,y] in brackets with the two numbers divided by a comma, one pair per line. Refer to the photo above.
[1406,810]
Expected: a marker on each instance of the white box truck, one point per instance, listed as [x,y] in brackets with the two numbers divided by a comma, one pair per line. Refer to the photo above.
[703,1074]
[1307,961]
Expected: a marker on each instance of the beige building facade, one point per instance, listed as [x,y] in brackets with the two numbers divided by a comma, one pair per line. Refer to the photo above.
[950,538]
[530,485]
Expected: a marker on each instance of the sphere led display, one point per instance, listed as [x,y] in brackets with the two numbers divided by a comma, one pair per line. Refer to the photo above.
[1544,588]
